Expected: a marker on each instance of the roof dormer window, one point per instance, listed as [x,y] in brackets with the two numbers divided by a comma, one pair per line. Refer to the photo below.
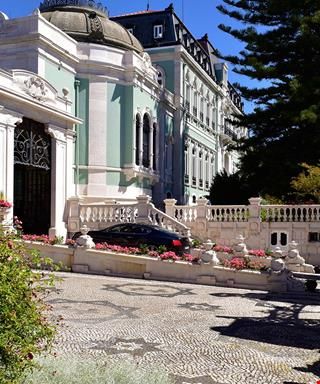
[130,30]
[158,31]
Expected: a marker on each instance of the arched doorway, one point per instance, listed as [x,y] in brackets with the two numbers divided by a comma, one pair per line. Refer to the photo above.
[32,176]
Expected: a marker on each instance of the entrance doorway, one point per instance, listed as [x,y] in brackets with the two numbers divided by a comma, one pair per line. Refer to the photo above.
[32,176]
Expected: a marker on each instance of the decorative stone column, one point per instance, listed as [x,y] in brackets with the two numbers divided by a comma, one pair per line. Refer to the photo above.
[143,209]
[254,217]
[58,181]
[170,206]
[8,121]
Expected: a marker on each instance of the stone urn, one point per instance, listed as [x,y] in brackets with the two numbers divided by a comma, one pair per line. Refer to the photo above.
[240,248]
[5,223]
[4,211]
[85,241]
[209,255]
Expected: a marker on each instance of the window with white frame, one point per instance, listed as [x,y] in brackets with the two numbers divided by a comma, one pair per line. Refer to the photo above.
[200,168]
[208,113]
[206,167]
[194,165]
[158,31]
[186,163]
[195,102]
[188,95]
[212,168]
[214,112]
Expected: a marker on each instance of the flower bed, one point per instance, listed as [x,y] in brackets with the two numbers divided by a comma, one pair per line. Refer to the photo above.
[165,256]
[42,239]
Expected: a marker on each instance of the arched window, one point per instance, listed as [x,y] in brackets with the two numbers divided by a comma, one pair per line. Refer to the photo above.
[138,135]
[146,141]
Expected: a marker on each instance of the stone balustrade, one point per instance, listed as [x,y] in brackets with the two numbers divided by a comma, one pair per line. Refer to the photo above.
[263,226]
[101,215]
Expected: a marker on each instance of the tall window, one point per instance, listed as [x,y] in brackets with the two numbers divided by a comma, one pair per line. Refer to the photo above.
[194,165]
[200,168]
[188,92]
[208,114]
[212,168]
[146,141]
[207,171]
[138,133]
[201,108]
[155,149]
[186,163]
[195,103]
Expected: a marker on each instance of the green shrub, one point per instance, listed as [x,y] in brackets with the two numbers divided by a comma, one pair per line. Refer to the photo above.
[25,330]
[87,371]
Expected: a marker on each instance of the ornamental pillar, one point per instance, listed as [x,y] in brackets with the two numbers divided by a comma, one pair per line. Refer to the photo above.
[8,122]
[59,175]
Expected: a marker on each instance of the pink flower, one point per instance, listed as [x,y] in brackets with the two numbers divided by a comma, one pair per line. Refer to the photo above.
[257,252]
[235,263]
[169,256]
[222,248]
[153,254]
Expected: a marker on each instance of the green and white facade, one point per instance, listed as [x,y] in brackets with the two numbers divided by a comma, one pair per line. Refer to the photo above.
[85,114]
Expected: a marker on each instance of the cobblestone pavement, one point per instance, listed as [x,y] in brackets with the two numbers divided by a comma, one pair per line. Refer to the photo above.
[199,334]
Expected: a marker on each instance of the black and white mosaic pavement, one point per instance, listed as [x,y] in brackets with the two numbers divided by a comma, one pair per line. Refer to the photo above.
[198,334]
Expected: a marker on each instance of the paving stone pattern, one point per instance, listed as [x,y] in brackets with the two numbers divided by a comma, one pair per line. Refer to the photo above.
[198,334]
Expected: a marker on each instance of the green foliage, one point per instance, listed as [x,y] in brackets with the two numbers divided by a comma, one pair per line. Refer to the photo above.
[25,330]
[144,249]
[307,184]
[161,249]
[229,189]
[196,243]
[75,370]
[282,52]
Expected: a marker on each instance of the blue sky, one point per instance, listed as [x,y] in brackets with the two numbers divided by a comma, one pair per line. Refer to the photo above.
[199,16]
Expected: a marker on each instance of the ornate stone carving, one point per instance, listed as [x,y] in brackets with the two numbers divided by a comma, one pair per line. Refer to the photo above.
[36,88]
[146,62]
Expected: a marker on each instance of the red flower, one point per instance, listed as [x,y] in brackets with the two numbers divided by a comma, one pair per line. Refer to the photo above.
[5,204]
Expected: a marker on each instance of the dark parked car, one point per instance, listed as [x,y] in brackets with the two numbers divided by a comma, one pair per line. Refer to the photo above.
[135,235]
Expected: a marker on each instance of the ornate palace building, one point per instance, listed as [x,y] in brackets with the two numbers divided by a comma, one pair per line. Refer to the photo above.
[93,108]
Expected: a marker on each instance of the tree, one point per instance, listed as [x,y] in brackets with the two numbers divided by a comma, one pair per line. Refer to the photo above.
[25,330]
[281,49]
[307,184]
[229,189]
